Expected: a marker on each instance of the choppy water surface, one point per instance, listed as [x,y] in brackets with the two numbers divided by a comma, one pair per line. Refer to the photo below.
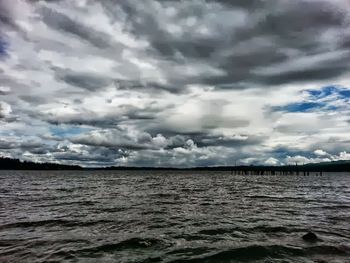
[167,216]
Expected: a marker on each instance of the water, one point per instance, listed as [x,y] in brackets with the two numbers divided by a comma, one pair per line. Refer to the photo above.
[145,216]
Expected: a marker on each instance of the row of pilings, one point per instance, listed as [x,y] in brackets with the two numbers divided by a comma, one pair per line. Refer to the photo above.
[274,172]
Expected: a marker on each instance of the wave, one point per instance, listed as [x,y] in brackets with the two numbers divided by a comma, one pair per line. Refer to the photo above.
[258,252]
[132,243]
[257,229]
[52,223]
[80,203]
[60,254]
[128,244]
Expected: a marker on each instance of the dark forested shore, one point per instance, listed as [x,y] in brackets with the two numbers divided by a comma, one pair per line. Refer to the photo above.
[337,166]
[15,164]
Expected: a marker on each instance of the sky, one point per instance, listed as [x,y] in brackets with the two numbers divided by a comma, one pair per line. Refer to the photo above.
[175,83]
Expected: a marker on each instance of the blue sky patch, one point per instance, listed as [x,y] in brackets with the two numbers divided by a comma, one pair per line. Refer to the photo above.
[318,99]
[64,131]
[300,107]
[337,91]
[3,47]
[344,93]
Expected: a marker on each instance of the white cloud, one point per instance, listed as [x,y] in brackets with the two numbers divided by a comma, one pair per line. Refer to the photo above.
[173,82]
[5,109]
[272,161]
[344,156]
[320,152]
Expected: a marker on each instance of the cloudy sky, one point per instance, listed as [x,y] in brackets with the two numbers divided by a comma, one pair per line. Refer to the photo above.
[175,83]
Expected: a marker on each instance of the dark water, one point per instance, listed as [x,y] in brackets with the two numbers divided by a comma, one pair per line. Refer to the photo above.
[172,217]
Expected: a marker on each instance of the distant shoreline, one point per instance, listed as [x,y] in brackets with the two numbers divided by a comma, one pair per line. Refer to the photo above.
[337,166]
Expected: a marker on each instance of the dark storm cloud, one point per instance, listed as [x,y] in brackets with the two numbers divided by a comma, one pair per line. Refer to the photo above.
[2,113]
[210,140]
[31,144]
[23,145]
[83,118]
[134,113]
[35,100]
[150,86]
[323,70]
[173,83]
[14,86]
[234,142]
[69,156]
[87,81]
[5,145]
[274,32]
[100,156]
[117,139]
[6,18]
[64,23]
[117,115]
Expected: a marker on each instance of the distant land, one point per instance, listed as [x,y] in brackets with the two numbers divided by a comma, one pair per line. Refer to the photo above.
[336,166]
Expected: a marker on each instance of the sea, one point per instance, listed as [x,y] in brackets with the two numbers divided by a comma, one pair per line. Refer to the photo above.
[172,216]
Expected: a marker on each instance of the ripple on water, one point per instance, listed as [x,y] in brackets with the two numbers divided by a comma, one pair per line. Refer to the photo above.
[137,216]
